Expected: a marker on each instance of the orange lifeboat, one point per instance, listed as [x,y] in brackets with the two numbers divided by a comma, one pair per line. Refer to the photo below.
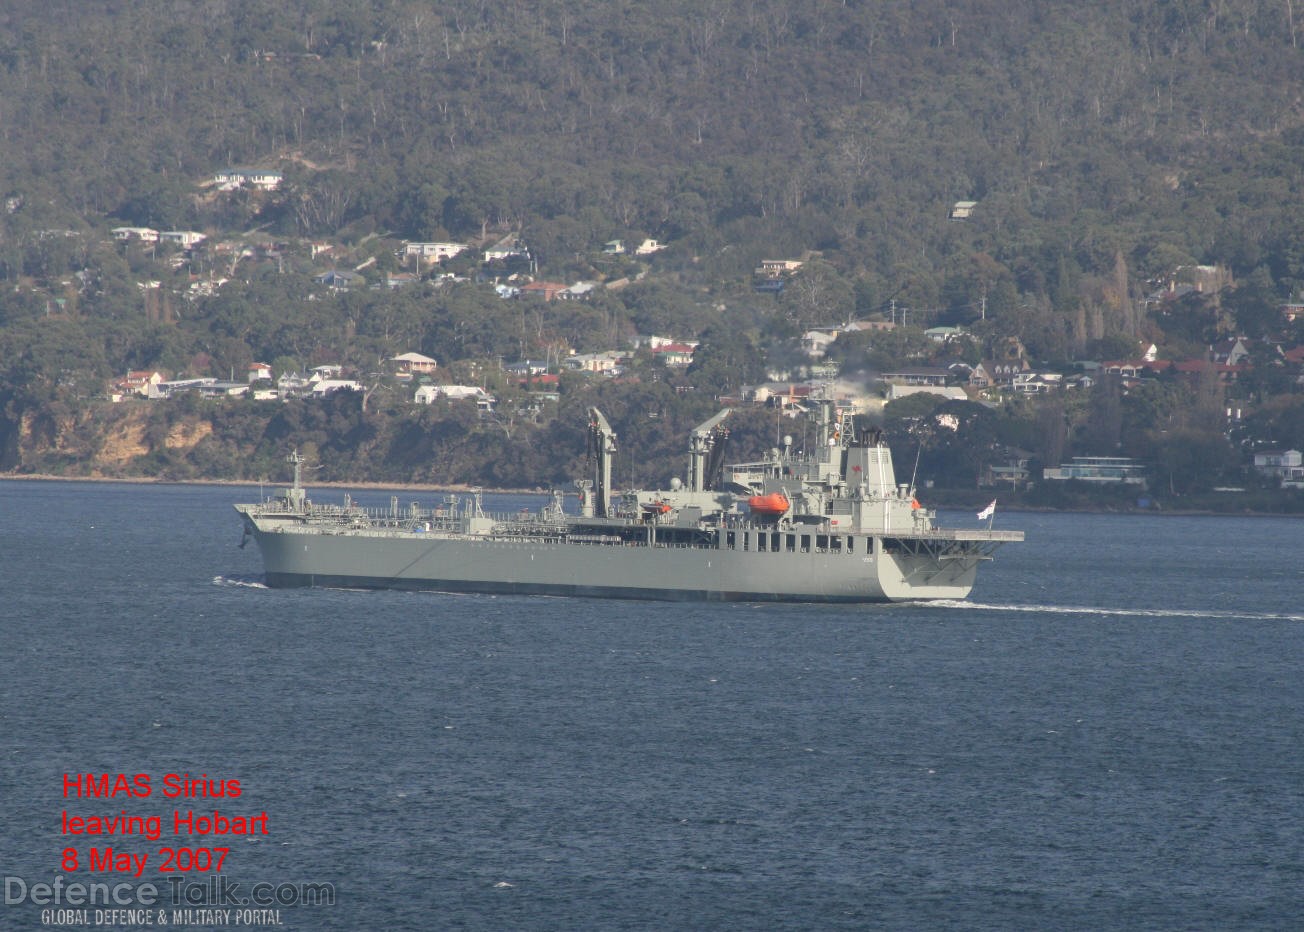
[655,508]
[776,503]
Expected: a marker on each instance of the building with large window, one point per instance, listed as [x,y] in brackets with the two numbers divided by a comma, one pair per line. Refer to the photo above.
[1120,469]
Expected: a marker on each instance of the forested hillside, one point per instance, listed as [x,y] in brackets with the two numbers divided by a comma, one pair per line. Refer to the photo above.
[1109,146]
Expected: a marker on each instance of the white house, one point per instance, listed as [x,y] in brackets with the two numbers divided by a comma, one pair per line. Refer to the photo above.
[135,235]
[963,210]
[433,252]
[675,355]
[323,387]
[427,394]
[143,382]
[607,362]
[1286,466]
[1037,383]
[815,343]
[185,238]
[505,249]
[776,268]
[259,370]
[1099,469]
[231,178]
[576,291]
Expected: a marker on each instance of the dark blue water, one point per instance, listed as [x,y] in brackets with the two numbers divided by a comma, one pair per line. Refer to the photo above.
[1109,734]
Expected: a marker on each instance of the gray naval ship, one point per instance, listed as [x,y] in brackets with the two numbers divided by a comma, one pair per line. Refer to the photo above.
[829,524]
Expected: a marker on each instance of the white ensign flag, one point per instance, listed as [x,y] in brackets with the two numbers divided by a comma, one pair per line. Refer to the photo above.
[988,511]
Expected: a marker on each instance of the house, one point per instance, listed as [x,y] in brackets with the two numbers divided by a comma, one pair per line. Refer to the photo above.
[649,246]
[894,391]
[292,385]
[1292,311]
[408,365]
[1126,369]
[428,394]
[545,290]
[1285,466]
[1098,469]
[945,334]
[259,371]
[205,287]
[777,268]
[1037,383]
[816,343]
[1230,352]
[607,363]
[395,280]
[917,375]
[338,280]
[674,355]
[1011,469]
[433,252]
[879,326]
[135,234]
[1002,371]
[779,394]
[655,341]
[142,382]
[181,386]
[614,248]
[962,210]
[506,250]
[323,387]
[1196,368]
[526,367]
[216,388]
[231,179]
[576,291]
[183,238]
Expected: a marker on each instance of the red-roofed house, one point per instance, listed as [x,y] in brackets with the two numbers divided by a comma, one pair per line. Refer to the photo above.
[143,382]
[546,290]
[674,354]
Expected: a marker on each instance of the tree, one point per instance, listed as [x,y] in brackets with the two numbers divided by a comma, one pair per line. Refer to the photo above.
[1254,305]
[817,295]
[724,360]
[1188,461]
[1104,427]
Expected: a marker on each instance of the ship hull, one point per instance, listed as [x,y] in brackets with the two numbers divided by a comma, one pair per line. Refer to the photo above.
[296,558]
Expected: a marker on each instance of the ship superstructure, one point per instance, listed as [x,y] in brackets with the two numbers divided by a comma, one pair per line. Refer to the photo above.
[826,524]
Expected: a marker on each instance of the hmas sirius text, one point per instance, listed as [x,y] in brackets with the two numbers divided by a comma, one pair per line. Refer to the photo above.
[827,525]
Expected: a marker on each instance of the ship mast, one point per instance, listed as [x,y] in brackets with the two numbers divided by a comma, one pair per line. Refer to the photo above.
[602,440]
[701,443]
[295,496]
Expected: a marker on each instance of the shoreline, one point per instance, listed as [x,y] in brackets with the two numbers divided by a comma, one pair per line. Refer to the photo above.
[371,486]
[464,489]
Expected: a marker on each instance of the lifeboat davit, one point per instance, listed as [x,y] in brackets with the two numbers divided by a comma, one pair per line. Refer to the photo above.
[655,508]
[776,503]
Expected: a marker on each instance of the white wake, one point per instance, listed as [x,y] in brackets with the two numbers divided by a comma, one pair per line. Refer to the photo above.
[1115,612]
